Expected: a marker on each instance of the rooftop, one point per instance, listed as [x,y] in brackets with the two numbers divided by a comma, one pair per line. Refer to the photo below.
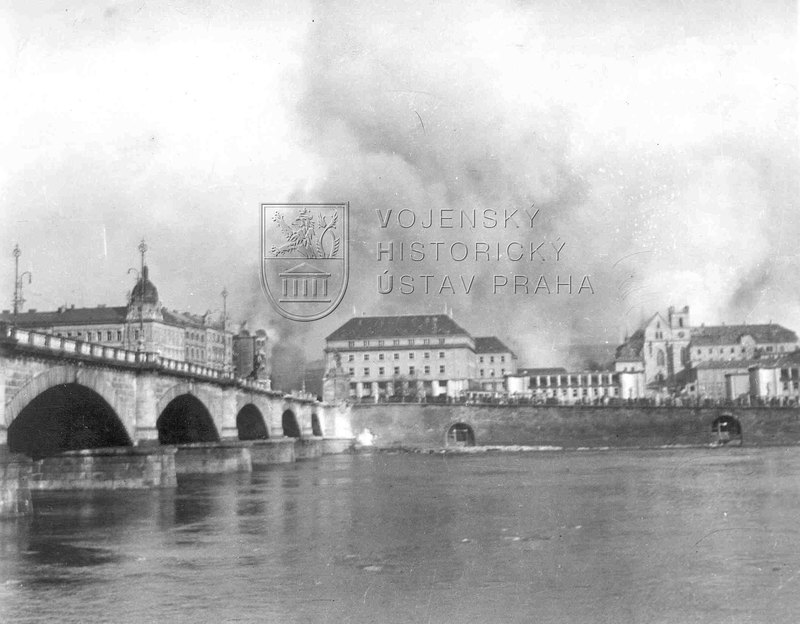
[365,327]
[490,344]
[66,316]
[720,335]
[532,372]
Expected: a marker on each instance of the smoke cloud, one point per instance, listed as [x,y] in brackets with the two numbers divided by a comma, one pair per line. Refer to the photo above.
[658,142]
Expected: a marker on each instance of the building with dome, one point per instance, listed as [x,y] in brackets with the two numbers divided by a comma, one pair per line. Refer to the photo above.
[144,323]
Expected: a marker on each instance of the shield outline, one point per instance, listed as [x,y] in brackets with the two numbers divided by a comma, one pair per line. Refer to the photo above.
[345,206]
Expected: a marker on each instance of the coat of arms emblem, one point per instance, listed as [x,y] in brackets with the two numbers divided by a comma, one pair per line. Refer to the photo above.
[304,261]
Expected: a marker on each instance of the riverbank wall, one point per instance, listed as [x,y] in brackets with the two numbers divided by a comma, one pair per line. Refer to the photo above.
[414,425]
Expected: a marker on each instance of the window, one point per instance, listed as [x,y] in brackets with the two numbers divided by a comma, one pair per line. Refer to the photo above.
[441,355]
[482,375]
[395,342]
[352,371]
[411,341]
[109,335]
[396,370]
[366,372]
[410,355]
[119,335]
[366,343]
[351,343]
[410,370]
[491,373]
[502,371]
[366,357]
[441,368]
[502,358]
[380,357]
[491,359]
[381,370]
[426,341]
[480,359]
[441,340]
[351,357]
[427,370]
[427,355]
[396,356]
[380,343]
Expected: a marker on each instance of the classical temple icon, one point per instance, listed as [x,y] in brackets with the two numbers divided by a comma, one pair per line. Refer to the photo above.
[304,283]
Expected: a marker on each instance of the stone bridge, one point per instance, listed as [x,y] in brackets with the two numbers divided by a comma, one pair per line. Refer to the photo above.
[59,394]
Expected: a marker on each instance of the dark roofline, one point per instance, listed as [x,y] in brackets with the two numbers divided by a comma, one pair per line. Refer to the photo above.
[491,344]
[397,326]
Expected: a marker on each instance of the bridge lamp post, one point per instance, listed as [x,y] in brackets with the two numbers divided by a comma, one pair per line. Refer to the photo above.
[19,280]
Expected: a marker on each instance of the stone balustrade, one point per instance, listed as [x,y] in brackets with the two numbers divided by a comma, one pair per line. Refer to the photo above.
[119,355]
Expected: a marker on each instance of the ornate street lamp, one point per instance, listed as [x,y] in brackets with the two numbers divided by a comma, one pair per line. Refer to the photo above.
[19,280]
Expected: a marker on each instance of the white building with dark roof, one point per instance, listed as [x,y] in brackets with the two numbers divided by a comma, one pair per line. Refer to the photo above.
[411,356]
[495,361]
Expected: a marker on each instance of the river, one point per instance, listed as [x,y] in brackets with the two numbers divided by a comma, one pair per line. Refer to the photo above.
[691,535]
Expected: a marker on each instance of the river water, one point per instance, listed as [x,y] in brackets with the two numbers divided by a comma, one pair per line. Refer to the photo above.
[679,536]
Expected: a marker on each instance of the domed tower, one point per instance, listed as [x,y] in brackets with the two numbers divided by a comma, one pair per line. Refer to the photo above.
[144,307]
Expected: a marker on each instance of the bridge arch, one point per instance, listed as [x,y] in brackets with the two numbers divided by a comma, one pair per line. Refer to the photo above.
[250,423]
[460,434]
[291,428]
[59,376]
[184,419]
[66,417]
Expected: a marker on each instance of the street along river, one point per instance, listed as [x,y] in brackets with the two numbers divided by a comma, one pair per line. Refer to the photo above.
[691,535]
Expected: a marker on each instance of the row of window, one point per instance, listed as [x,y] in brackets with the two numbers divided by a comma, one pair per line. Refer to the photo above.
[565,392]
[351,357]
[395,342]
[411,370]
[491,372]
[721,350]
[572,380]
[95,336]
[491,359]
[201,336]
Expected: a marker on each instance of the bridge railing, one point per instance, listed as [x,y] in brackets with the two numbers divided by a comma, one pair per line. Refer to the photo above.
[117,355]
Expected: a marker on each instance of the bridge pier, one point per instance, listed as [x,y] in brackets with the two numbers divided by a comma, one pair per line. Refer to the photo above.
[273,451]
[118,468]
[15,493]
[213,458]
[308,448]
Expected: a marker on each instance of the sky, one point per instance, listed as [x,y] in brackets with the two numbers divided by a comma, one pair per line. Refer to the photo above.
[657,139]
